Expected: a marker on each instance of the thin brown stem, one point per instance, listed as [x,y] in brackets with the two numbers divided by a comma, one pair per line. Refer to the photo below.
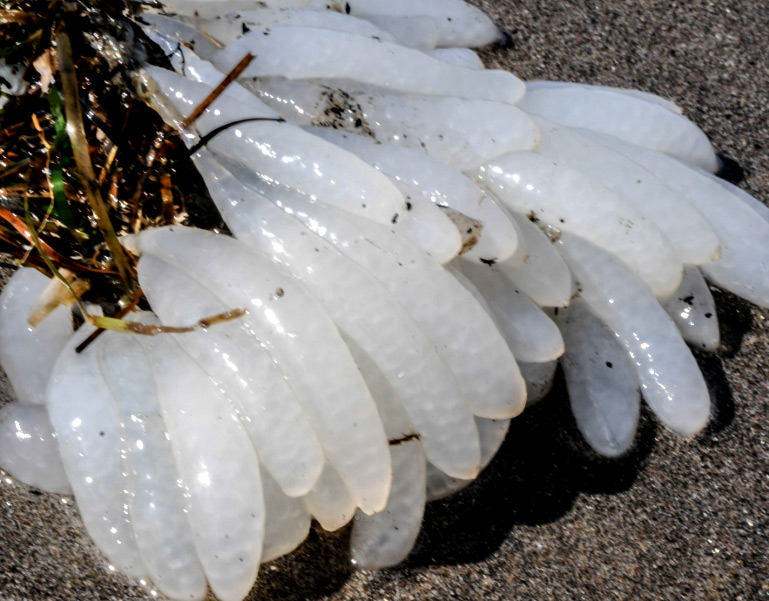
[217,91]
[80,151]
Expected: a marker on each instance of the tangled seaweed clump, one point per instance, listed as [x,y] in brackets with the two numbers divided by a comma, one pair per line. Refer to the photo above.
[457,438]
[84,159]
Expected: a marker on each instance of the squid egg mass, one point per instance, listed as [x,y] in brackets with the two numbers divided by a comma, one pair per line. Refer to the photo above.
[415,243]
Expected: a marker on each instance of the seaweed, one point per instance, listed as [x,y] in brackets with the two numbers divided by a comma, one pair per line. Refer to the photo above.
[83,159]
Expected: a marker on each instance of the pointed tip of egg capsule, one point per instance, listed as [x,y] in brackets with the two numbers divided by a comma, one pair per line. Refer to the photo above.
[729,170]
[504,40]
[689,424]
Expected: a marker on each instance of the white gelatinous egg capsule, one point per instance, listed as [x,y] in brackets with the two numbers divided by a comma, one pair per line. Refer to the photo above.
[190,65]
[628,117]
[311,53]
[458,23]
[292,326]
[671,382]
[646,96]
[418,32]
[28,353]
[386,538]
[753,203]
[329,501]
[461,57]
[539,379]
[531,335]
[286,522]
[29,449]
[227,28]
[693,310]
[427,226]
[537,268]
[180,32]
[538,376]
[602,388]
[492,433]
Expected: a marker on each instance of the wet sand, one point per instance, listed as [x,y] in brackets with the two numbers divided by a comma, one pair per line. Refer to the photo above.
[674,519]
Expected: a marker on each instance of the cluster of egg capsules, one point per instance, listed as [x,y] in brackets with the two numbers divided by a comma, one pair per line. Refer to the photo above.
[416,243]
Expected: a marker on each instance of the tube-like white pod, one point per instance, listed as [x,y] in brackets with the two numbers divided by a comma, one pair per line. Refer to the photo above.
[539,379]
[462,133]
[282,152]
[191,66]
[293,327]
[567,200]
[646,96]
[492,433]
[693,310]
[28,353]
[627,117]
[463,334]
[88,426]
[420,33]
[458,23]
[755,204]
[461,57]
[227,28]
[671,382]
[218,469]
[311,53]
[329,501]
[531,335]
[156,503]
[254,384]
[213,8]
[602,388]
[688,230]
[427,226]
[386,538]
[744,265]
[183,33]
[29,450]
[537,268]
[440,184]
[365,311]
[286,521]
